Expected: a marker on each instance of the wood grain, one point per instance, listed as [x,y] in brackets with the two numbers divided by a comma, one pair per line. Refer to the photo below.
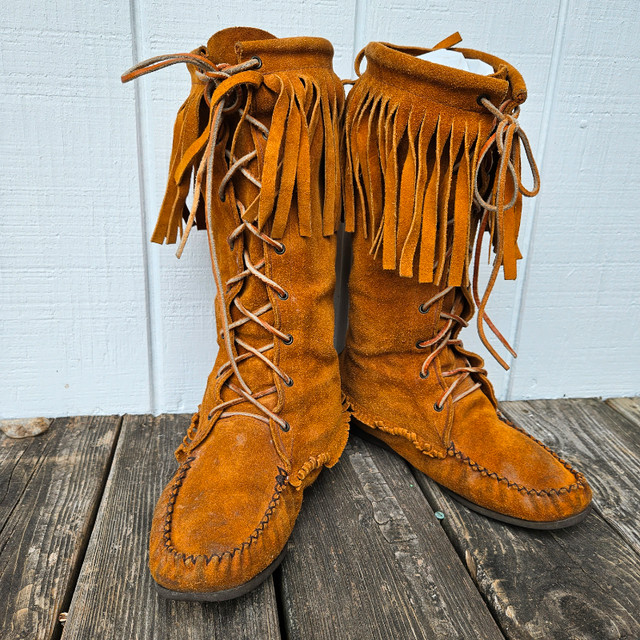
[599,441]
[50,493]
[115,597]
[628,407]
[369,560]
[578,583]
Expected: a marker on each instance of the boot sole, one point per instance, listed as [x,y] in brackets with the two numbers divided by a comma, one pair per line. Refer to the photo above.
[495,515]
[225,594]
[548,525]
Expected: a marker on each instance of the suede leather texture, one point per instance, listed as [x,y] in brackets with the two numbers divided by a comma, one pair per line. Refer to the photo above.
[231,506]
[414,133]
[465,445]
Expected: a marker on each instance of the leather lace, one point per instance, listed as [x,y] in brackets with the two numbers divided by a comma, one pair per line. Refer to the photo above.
[443,339]
[505,138]
[229,92]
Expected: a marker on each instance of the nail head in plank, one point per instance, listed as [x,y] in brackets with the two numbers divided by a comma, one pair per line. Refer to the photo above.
[581,582]
[368,559]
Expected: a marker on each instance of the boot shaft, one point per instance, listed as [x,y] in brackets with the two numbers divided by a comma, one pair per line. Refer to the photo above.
[259,137]
[432,163]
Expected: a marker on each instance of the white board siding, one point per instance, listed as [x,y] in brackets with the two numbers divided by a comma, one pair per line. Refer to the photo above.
[72,293]
[95,320]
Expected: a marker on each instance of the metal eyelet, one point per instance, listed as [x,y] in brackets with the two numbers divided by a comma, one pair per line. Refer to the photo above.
[419,345]
[259,62]
[423,309]
[289,382]
[286,427]
[289,340]
[283,296]
[281,249]
[482,97]
[424,376]
[437,407]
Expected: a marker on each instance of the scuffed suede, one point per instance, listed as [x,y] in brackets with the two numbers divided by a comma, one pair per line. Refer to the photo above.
[231,506]
[414,134]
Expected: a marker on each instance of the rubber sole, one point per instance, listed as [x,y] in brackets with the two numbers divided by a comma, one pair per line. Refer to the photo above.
[226,594]
[549,525]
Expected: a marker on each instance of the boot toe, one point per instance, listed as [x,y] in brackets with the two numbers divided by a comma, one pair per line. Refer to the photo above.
[523,479]
[222,521]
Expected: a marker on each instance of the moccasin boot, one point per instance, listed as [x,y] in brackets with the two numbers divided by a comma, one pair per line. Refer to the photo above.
[432,163]
[259,139]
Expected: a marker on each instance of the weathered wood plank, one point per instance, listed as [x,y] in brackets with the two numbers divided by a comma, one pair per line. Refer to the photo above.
[599,441]
[115,597]
[628,407]
[577,583]
[368,559]
[50,493]
[16,468]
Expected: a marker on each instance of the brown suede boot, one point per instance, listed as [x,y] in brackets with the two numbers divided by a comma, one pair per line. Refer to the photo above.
[260,132]
[433,160]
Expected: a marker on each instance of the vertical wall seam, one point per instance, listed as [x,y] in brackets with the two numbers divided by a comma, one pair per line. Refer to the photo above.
[141,128]
[360,8]
[549,101]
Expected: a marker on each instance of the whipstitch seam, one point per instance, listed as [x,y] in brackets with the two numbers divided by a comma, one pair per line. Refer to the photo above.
[281,478]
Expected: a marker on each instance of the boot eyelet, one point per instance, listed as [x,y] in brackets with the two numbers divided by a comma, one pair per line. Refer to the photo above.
[289,382]
[289,340]
[286,427]
[259,62]
[424,376]
[482,97]
[283,296]
[423,309]
[281,249]
[437,407]
[419,345]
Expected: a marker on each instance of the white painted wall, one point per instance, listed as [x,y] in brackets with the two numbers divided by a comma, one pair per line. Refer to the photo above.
[95,320]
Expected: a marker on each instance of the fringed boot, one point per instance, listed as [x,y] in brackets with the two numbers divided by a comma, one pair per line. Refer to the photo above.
[433,162]
[258,141]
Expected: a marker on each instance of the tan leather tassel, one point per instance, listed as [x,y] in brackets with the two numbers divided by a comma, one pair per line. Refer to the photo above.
[305,138]
[187,128]
[414,132]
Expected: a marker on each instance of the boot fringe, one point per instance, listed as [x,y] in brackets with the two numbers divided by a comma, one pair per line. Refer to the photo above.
[191,121]
[302,151]
[409,181]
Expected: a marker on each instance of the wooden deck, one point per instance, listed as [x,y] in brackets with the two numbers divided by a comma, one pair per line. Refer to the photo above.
[368,558]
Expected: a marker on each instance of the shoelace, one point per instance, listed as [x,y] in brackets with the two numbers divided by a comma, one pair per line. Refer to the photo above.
[505,138]
[440,342]
[225,87]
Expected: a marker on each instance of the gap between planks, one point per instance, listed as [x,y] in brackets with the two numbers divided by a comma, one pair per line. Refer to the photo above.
[533,581]
[52,493]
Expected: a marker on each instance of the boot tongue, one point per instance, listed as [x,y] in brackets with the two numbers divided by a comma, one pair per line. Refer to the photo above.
[222,45]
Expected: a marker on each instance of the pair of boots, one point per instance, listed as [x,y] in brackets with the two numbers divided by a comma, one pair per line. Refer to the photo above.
[421,159]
